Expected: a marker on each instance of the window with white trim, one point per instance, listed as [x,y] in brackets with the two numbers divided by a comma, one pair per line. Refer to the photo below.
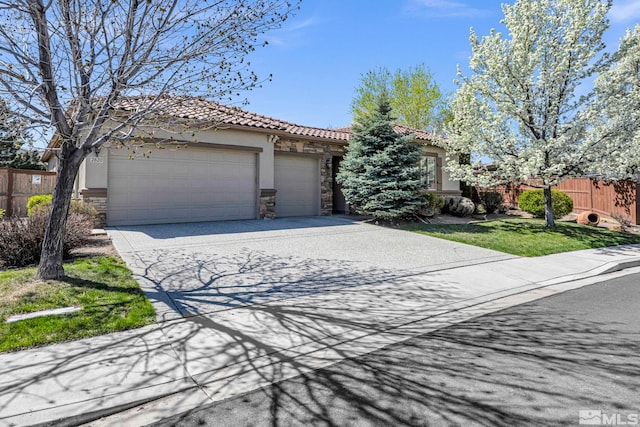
[428,171]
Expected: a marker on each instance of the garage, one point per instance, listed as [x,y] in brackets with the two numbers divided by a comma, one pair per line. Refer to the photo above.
[297,183]
[182,185]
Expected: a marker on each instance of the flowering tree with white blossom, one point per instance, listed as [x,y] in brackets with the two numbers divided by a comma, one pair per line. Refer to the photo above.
[547,102]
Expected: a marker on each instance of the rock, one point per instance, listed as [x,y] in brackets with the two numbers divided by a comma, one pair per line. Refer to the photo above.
[459,206]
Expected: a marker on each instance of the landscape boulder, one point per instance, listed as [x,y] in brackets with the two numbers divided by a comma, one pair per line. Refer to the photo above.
[459,206]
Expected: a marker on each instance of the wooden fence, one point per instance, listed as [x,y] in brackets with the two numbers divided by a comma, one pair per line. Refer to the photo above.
[17,185]
[588,195]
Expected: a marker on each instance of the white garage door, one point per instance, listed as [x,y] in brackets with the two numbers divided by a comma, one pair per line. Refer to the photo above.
[297,182]
[181,185]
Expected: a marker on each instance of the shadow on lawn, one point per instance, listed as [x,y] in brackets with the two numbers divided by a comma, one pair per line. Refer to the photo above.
[101,286]
[590,235]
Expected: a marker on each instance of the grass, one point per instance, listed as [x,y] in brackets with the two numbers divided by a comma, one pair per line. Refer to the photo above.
[527,237]
[111,299]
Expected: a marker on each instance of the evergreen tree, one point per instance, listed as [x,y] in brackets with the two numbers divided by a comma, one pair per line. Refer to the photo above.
[9,137]
[379,174]
[12,137]
[27,159]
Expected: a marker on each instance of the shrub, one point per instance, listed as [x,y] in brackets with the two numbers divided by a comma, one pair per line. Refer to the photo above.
[20,245]
[433,201]
[2,212]
[77,207]
[532,201]
[623,220]
[35,201]
[21,238]
[492,201]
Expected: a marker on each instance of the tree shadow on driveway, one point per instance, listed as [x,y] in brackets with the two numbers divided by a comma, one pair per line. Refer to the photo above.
[249,329]
[197,283]
[530,365]
[264,319]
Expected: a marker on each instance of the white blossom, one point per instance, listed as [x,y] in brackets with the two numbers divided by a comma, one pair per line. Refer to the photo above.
[547,102]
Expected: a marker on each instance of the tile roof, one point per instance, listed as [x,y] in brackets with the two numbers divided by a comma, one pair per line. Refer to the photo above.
[188,107]
[210,111]
[419,134]
[203,110]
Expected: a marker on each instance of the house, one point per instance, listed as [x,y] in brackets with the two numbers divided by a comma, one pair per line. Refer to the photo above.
[224,163]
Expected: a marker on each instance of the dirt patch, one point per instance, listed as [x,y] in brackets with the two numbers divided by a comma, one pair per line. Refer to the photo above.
[98,245]
[607,222]
[11,293]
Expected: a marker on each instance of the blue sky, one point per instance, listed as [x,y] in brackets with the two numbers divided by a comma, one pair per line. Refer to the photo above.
[318,56]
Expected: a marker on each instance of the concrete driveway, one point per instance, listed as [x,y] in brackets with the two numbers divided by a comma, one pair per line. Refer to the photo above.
[200,268]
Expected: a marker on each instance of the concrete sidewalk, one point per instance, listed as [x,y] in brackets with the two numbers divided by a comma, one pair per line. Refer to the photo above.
[181,363]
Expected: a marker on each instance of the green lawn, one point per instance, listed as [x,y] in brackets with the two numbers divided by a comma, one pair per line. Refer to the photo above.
[103,286]
[527,237]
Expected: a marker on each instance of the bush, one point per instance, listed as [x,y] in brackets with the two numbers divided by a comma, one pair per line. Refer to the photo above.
[492,200]
[21,238]
[20,245]
[35,201]
[532,201]
[433,201]
[77,207]
[2,212]
[623,220]
[81,208]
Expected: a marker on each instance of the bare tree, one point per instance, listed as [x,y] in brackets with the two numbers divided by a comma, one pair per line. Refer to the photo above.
[67,64]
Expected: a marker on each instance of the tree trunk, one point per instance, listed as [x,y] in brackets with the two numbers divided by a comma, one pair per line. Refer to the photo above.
[52,248]
[548,207]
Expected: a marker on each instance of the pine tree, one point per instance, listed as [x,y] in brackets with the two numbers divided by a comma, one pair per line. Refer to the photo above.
[12,138]
[379,174]
[9,137]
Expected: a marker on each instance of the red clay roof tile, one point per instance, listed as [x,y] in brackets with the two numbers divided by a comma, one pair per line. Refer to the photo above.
[188,107]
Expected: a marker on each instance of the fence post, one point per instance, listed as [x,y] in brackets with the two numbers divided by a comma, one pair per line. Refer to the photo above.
[9,212]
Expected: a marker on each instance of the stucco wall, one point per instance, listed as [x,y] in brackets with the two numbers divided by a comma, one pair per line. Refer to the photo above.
[447,183]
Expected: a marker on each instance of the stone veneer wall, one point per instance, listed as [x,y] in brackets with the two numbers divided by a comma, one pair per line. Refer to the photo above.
[267,203]
[327,150]
[96,197]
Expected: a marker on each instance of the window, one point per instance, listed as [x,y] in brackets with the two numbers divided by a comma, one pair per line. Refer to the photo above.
[428,171]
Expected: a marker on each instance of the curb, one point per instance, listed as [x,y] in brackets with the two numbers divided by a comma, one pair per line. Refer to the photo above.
[450,314]
[454,313]
[88,417]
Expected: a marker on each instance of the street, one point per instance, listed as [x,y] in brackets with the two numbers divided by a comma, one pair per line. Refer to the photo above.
[535,364]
